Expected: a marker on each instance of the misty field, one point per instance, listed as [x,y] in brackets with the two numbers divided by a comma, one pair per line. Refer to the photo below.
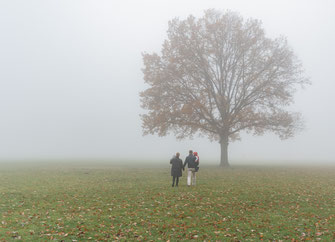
[107,202]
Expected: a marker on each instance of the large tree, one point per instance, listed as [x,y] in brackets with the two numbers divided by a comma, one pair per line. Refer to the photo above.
[217,76]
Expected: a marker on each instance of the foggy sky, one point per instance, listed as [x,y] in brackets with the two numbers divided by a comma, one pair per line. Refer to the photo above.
[70,74]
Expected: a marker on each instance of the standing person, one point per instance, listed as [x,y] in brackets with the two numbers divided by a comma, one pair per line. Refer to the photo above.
[190,162]
[197,160]
[177,165]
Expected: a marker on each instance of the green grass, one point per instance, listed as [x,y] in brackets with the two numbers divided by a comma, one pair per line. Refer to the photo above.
[107,202]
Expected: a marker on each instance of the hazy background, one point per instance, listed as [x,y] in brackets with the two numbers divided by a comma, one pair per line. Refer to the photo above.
[70,74]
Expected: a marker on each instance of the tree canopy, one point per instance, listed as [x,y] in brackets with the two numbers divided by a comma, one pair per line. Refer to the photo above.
[218,75]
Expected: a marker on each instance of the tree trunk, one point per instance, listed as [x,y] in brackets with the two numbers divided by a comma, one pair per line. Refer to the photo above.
[224,152]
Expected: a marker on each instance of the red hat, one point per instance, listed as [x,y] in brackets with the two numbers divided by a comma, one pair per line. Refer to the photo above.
[195,153]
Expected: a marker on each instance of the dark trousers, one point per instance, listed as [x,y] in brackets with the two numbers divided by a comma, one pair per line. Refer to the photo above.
[175,179]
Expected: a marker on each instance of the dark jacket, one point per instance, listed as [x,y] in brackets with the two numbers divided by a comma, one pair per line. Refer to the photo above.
[177,165]
[190,161]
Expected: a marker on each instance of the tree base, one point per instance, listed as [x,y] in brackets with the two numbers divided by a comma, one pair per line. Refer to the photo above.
[225,166]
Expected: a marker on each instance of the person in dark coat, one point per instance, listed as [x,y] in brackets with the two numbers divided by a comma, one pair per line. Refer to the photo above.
[176,169]
[190,161]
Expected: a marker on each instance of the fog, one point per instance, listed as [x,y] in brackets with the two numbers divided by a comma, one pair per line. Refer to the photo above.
[70,75]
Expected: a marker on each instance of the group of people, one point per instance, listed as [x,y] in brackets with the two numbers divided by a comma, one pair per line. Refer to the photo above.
[192,162]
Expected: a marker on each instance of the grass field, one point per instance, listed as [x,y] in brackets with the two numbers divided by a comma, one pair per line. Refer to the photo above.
[108,202]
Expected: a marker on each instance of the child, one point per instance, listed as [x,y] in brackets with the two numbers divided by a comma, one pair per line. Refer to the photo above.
[196,161]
